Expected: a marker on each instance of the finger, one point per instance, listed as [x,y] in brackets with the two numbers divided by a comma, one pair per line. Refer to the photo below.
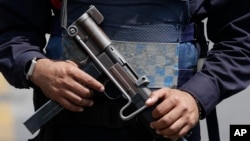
[80,89]
[77,100]
[69,105]
[88,80]
[184,131]
[176,130]
[166,120]
[163,108]
[86,102]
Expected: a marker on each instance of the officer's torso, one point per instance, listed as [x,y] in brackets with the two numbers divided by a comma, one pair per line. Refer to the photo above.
[140,20]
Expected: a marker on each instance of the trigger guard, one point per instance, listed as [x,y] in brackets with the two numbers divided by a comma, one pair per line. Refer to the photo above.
[111,92]
[133,114]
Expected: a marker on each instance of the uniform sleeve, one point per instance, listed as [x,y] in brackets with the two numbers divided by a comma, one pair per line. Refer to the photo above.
[23,24]
[227,68]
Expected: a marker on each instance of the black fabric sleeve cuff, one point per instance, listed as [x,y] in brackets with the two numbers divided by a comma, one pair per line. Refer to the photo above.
[205,90]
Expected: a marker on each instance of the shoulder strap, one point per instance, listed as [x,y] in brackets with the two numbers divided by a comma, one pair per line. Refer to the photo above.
[64,14]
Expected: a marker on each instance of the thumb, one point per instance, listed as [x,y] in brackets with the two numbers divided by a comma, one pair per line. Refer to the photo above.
[156,95]
[151,100]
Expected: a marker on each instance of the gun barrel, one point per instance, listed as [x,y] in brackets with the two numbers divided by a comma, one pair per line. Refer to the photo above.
[93,31]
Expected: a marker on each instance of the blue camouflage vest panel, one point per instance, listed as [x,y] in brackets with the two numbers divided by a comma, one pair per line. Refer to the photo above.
[148,33]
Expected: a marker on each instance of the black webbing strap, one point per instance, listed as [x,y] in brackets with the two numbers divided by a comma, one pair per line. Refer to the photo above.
[200,39]
[213,126]
[64,14]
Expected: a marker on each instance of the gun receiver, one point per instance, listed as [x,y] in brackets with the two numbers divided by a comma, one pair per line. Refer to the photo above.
[108,61]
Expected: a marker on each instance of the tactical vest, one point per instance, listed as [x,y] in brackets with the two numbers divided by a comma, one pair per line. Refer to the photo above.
[156,37]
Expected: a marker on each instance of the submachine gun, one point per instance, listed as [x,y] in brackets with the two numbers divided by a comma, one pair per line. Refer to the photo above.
[107,61]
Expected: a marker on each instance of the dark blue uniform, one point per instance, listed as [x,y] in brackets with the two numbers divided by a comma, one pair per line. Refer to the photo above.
[23,24]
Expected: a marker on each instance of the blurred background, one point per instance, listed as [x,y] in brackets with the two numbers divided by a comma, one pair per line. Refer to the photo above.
[16,107]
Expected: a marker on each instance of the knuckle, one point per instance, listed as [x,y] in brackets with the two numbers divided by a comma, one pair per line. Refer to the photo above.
[62,82]
[174,100]
[166,121]
[79,101]
[191,122]
[86,102]
[88,94]
[173,130]
[185,108]
[70,70]
[158,112]
[89,80]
